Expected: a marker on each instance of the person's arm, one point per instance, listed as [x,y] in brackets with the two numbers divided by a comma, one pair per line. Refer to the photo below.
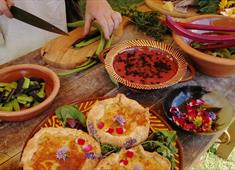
[101,11]
[4,8]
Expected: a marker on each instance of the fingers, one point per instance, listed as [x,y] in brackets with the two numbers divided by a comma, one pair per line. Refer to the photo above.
[88,20]
[109,22]
[10,3]
[104,25]
[110,26]
[4,8]
[117,19]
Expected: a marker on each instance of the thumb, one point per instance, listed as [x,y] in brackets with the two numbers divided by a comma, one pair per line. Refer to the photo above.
[87,26]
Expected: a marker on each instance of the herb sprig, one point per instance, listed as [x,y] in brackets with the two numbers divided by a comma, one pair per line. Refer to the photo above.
[208,6]
[147,22]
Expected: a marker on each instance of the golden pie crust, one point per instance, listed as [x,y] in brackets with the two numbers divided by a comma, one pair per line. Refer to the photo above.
[135,127]
[140,159]
[40,151]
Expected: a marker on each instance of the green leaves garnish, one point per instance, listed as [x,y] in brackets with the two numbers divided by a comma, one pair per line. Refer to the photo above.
[70,112]
[107,149]
[162,142]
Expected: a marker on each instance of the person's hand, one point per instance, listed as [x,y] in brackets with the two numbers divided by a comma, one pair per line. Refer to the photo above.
[105,16]
[4,8]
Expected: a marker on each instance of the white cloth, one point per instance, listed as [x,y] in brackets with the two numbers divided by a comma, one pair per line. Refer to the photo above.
[21,38]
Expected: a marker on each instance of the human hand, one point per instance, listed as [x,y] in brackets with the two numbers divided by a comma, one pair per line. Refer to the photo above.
[4,8]
[105,16]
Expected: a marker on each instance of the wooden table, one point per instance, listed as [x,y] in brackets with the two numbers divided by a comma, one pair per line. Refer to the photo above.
[94,83]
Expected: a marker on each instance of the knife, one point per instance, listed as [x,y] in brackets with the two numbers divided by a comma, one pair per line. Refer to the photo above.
[34,20]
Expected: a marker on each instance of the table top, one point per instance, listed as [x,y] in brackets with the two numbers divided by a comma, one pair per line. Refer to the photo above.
[95,82]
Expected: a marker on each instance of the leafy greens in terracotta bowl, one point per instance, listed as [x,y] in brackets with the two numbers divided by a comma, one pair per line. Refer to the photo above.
[211,45]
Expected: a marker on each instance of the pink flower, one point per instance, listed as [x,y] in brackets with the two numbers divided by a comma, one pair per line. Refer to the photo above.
[87,148]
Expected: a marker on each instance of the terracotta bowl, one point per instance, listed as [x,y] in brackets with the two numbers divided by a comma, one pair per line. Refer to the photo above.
[161,56]
[13,73]
[208,64]
[178,97]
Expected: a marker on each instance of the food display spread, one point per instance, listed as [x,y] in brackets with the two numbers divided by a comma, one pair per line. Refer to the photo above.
[118,138]
[118,133]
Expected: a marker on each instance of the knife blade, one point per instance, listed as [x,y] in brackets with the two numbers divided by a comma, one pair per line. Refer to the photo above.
[33,20]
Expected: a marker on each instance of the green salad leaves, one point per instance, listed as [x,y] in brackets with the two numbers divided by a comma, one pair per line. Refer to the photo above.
[162,142]
[71,116]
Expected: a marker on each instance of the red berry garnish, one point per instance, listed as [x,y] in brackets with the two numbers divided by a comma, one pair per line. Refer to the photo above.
[129,154]
[123,162]
[80,141]
[100,125]
[110,130]
[119,130]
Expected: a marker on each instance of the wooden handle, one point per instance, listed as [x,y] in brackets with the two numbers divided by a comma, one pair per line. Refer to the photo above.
[103,54]
[192,73]
[225,138]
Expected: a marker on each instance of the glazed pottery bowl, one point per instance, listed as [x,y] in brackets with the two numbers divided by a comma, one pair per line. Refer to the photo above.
[180,96]
[208,64]
[146,65]
[15,72]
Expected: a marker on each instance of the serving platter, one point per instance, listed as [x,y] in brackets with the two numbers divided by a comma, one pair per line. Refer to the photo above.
[156,123]
[166,65]
[158,6]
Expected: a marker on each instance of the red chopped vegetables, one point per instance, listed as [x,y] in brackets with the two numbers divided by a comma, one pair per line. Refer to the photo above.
[120,130]
[123,162]
[110,130]
[100,125]
[80,141]
[129,154]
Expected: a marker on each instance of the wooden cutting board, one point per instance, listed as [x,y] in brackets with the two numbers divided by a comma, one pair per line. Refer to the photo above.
[60,53]
[158,6]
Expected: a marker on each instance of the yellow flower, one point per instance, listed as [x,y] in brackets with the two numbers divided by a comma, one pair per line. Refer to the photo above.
[231,3]
[223,4]
[198,121]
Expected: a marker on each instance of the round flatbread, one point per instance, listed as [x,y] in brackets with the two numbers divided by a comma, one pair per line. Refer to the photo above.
[118,121]
[61,149]
[135,158]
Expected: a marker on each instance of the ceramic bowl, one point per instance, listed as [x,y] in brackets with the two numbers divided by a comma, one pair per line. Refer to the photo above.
[181,95]
[146,64]
[208,64]
[15,72]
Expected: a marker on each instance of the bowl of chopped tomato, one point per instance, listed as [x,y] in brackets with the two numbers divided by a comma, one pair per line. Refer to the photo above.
[146,65]
[197,110]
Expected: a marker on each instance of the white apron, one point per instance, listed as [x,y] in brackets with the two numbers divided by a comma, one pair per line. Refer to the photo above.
[20,38]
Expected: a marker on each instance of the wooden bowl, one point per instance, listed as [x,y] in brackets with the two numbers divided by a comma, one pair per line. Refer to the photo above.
[208,64]
[179,96]
[15,72]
